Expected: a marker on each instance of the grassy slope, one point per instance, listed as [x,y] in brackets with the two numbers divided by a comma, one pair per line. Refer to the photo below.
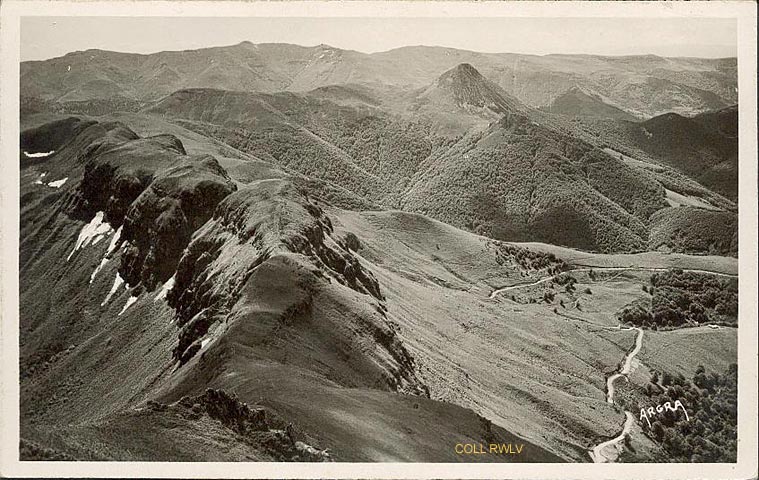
[96,365]
[471,348]
[681,351]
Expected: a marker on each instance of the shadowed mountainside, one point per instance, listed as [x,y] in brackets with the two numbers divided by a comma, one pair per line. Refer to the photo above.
[576,102]
[703,147]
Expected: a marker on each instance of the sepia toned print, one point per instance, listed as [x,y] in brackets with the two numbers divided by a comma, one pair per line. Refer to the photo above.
[379,240]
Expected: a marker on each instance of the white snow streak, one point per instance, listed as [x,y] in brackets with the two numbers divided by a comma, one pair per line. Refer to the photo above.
[107,256]
[114,241]
[165,288]
[98,268]
[58,183]
[128,304]
[116,284]
[39,154]
[93,229]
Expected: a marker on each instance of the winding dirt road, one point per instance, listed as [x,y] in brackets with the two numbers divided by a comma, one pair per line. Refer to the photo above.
[501,290]
[597,454]
[626,367]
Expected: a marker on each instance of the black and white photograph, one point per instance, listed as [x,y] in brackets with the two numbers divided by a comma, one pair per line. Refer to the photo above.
[376,239]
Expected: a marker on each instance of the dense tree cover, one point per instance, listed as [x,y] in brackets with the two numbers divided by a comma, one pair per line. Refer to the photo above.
[694,230]
[524,177]
[704,147]
[636,191]
[297,151]
[615,135]
[522,182]
[528,259]
[681,299]
[709,433]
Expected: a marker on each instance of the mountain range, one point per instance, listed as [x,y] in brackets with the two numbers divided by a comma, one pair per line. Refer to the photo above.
[283,253]
[644,86]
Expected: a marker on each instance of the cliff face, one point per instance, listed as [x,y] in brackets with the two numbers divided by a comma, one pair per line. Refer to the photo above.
[160,222]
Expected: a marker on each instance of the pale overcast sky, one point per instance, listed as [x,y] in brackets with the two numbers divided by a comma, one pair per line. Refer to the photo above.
[47,37]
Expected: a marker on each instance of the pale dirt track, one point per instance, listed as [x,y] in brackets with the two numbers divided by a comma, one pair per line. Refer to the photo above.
[597,453]
[501,290]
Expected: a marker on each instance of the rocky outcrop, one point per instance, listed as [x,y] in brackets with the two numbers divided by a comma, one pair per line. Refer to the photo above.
[257,426]
[149,186]
[119,166]
[160,222]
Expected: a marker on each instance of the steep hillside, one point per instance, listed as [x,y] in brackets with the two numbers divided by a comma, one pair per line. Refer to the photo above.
[170,310]
[693,230]
[520,180]
[465,152]
[644,86]
[448,156]
[463,87]
[578,103]
[703,147]
[368,151]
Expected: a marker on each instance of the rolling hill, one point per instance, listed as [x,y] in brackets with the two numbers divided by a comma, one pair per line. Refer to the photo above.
[464,152]
[703,147]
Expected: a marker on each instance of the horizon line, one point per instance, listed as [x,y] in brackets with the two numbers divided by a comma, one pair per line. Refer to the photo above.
[385,51]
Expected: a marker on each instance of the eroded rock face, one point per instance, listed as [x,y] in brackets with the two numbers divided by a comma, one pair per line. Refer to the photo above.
[161,221]
[269,216]
[119,167]
[150,186]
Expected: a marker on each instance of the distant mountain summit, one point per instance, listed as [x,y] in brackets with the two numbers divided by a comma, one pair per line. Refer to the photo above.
[464,87]
[578,102]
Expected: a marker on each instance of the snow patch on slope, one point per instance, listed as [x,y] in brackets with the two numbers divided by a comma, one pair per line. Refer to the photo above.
[39,154]
[98,268]
[111,248]
[130,301]
[165,288]
[58,183]
[96,228]
[116,284]
[114,241]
